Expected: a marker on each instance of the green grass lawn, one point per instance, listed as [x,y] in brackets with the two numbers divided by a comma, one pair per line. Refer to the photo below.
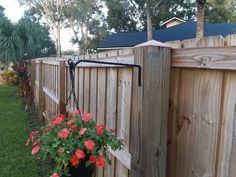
[15,125]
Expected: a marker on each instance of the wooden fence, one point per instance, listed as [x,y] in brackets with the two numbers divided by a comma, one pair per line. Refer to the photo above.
[196,139]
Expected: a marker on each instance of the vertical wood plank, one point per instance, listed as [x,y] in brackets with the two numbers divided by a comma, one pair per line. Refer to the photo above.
[111,110]
[198,122]
[123,115]
[172,118]
[231,40]
[86,89]
[62,87]
[32,80]
[80,92]
[93,92]
[150,112]
[41,102]
[227,141]
[101,106]
[101,96]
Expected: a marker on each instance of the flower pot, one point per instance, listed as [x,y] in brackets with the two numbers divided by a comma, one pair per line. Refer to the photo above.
[81,170]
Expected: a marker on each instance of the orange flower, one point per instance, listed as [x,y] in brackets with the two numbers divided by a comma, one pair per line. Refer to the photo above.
[74,160]
[82,131]
[99,129]
[35,150]
[87,117]
[63,134]
[89,144]
[80,154]
[100,161]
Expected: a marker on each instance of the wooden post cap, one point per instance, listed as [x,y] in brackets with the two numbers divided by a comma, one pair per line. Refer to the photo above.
[153,43]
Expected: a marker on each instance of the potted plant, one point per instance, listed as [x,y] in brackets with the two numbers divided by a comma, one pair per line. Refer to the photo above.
[76,144]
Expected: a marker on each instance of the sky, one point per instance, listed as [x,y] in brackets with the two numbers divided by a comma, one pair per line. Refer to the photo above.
[14,12]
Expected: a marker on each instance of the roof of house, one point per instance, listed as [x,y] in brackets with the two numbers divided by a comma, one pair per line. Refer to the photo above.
[172,19]
[182,31]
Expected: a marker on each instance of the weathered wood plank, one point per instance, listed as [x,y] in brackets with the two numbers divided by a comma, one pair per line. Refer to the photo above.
[111,110]
[62,87]
[210,58]
[227,141]
[41,98]
[198,122]
[174,44]
[86,90]
[150,112]
[80,88]
[93,91]
[172,120]
[209,41]
[101,105]
[124,111]
[231,40]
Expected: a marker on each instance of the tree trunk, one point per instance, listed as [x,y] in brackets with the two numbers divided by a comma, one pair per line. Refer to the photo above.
[200,18]
[149,21]
[58,40]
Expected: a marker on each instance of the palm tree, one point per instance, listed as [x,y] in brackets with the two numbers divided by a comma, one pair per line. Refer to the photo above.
[149,20]
[150,6]
[200,18]
[10,43]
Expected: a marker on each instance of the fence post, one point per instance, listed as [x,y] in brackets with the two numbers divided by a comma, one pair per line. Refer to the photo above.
[62,87]
[32,80]
[41,107]
[150,110]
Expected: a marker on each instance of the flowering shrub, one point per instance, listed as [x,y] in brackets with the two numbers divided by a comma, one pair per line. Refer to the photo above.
[70,140]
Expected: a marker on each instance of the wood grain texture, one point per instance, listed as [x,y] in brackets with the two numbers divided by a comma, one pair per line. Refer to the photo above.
[80,88]
[41,99]
[93,92]
[62,87]
[209,41]
[198,122]
[172,120]
[175,44]
[101,106]
[32,80]
[124,111]
[227,141]
[150,112]
[210,58]
[231,40]
[86,89]
[111,113]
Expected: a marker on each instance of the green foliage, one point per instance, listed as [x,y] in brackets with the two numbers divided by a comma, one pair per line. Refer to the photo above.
[9,77]
[35,38]
[10,42]
[86,20]
[122,15]
[218,11]
[128,16]
[24,40]
[64,137]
